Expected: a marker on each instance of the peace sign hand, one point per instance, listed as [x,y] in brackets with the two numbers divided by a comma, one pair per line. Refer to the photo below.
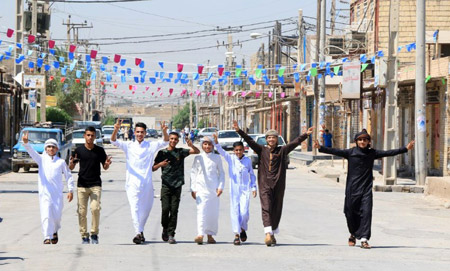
[235,125]
[118,124]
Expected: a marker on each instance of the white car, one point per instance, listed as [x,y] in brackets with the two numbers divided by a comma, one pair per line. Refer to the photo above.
[227,138]
[107,135]
[78,138]
[207,132]
[261,140]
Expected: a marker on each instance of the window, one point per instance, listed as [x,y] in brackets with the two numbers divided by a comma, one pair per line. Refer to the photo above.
[36,137]
[228,134]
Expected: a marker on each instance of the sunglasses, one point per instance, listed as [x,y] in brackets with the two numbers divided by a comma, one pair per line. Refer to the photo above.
[362,139]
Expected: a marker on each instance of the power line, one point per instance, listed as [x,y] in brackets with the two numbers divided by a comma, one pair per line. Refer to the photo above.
[182,33]
[179,38]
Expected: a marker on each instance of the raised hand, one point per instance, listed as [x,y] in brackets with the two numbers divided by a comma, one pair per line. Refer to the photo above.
[310,130]
[118,124]
[316,144]
[216,140]
[410,145]
[235,125]
[188,141]
[194,195]
[25,137]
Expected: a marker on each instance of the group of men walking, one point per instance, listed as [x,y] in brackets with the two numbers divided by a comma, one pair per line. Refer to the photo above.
[207,183]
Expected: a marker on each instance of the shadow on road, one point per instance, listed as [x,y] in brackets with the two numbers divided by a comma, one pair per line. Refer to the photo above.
[414,247]
[9,258]
[18,191]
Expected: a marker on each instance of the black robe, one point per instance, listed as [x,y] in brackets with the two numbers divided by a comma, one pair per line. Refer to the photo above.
[358,191]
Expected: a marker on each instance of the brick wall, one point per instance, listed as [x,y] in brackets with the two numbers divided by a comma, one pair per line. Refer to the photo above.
[437,17]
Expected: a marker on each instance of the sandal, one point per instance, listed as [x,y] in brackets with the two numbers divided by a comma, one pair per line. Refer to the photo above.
[352,241]
[211,240]
[237,241]
[365,245]
[199,240]
[47,242]
[55,238]
[243,236]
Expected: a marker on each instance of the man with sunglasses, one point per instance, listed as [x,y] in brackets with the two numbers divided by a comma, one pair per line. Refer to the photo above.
[358,191]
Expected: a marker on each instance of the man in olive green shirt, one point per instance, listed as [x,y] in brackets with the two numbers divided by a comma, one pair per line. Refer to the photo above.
[171,162]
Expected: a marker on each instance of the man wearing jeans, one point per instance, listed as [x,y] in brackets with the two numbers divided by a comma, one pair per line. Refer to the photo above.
[89,185]
[171,162]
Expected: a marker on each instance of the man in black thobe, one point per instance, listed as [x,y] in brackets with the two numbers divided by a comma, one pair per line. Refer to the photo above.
[271,177]
[358,191]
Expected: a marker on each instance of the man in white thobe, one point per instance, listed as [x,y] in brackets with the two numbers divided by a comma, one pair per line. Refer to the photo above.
[242,184]
[50,176]
[207,181]
[139,186]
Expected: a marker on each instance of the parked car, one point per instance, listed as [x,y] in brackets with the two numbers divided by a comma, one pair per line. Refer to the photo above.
[207,132]
[227,138]
[78,138]
[151,133]
[107,135]
[159,133]
[37,135]
[261,140]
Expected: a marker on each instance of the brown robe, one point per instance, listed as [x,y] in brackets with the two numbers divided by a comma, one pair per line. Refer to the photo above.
[272,177]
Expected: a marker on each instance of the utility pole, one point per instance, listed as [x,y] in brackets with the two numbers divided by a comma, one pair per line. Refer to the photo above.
[74,27]
[390,134]
[420,114]
[300,59]
[333,16]
[316,80]
[321,124]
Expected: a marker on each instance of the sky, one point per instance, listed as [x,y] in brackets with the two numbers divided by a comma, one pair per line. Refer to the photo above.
[166,17]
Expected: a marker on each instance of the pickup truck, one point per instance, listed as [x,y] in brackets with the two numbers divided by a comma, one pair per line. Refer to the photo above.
[37,135]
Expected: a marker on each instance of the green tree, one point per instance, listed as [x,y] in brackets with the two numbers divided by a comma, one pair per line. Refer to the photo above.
[55,114]
[109,118]
[68,92]
[182,118]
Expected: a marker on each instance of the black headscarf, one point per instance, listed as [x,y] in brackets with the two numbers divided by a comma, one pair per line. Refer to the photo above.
[363,133]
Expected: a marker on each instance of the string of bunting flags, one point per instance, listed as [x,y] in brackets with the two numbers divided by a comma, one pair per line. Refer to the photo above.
[116,69]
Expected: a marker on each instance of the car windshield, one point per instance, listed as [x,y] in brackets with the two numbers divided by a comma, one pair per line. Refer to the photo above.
[262,141]
[79,134]
[228,134]
[98,134]
[40,137]
[108,131]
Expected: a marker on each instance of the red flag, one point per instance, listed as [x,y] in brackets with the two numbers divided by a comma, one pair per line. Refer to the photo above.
[153,93]
[117,58]
[77,80]
[31,38]
[220,70]
[170,91]
[137,61]
[102,83]
[9,32]
[93,54]
[51,44]
[115,85]
[51,78]
[63,79]
[200,69]
[88,83]
[72,48]
[130,87]
[180,67]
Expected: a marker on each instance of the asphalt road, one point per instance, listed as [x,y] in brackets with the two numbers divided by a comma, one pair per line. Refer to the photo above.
[409,232]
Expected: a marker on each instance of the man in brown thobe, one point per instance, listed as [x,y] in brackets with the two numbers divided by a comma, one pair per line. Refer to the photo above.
[271,177]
